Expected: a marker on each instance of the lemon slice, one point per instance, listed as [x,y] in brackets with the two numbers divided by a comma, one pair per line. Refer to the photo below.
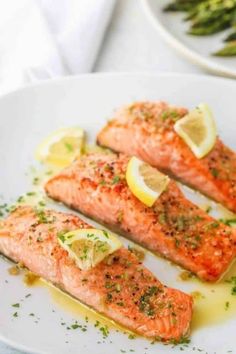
[88,247]
[198,130]
[61,147]
[144,181]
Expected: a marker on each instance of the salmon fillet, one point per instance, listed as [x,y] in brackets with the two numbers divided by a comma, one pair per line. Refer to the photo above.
[173,227]
[119,287]
[146,130]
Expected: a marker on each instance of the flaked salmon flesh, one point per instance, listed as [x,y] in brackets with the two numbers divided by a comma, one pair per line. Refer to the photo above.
[146,130]
[96,185]
[119,287]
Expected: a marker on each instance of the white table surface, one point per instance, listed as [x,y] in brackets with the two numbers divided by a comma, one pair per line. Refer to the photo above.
[132,45]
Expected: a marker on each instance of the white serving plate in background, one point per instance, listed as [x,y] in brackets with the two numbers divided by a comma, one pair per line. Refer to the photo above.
[196,48]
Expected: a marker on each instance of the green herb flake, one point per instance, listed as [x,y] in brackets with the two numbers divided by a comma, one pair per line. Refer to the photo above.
[21,199]
[116,179]
[69,147]
[16,305]
[31,194]
[43,218]
[232,281]
[214,172]
[131,336]
[75,326]
[61,236]
[104,330]
[228,222]
[162,218]
[145,305]
[105,233]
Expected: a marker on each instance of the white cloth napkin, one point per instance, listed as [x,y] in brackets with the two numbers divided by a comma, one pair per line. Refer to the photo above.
[41,39]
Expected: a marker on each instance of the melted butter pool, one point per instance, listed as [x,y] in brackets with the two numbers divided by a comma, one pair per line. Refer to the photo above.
[214,302]
[80,310]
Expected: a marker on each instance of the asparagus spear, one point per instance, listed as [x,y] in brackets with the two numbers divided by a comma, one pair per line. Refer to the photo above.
[182,5]
[230,37]
[207,17]
[228,51]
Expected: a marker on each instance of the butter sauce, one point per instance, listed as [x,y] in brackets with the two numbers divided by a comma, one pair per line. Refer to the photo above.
[78,309]
[213,302]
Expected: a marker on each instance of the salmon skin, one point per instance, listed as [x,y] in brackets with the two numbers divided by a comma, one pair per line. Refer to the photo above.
[145,130]
[119,287]
[173,227]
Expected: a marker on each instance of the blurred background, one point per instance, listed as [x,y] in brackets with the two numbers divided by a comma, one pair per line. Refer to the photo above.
[41,39]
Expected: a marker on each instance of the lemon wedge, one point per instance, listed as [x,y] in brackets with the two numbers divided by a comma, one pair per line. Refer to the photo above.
[88,247]
[198,130]
[144,181]
[61,147]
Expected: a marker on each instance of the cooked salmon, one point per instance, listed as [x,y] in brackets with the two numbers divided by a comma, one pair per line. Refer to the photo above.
[146,130]
[119,287]
[96,185]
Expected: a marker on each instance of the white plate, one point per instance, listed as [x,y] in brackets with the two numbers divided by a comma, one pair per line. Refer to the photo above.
[197,49]
[27,116]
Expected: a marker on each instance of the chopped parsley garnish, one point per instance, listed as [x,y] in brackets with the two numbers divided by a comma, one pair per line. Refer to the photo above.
[182,340]
[36,181]
[162,218]
[173,115]
[116,179]
[105,233]
[31,194]
[61,236]
[41,203]
[105,331]
[15,314]
[208,209]
[43,218]
[229,222]
[21,199]
[16,305]
[144,301]
[75,326]
[232,281]
[212,225]
[214,172]
[69,147]
[131,336]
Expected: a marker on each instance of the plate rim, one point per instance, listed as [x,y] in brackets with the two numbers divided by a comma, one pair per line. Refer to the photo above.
[185,51]
[147,74]
[20,347]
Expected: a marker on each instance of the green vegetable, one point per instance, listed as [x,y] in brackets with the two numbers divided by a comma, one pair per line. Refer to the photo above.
[208,17]
[228,51]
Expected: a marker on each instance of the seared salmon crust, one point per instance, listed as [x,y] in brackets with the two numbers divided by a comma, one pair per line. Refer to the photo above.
[173,227]
[146,130]
[119,287]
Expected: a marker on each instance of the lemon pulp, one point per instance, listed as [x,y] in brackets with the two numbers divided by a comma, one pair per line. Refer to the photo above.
[88,247]
[198,130]
[61,147]
[144,181]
